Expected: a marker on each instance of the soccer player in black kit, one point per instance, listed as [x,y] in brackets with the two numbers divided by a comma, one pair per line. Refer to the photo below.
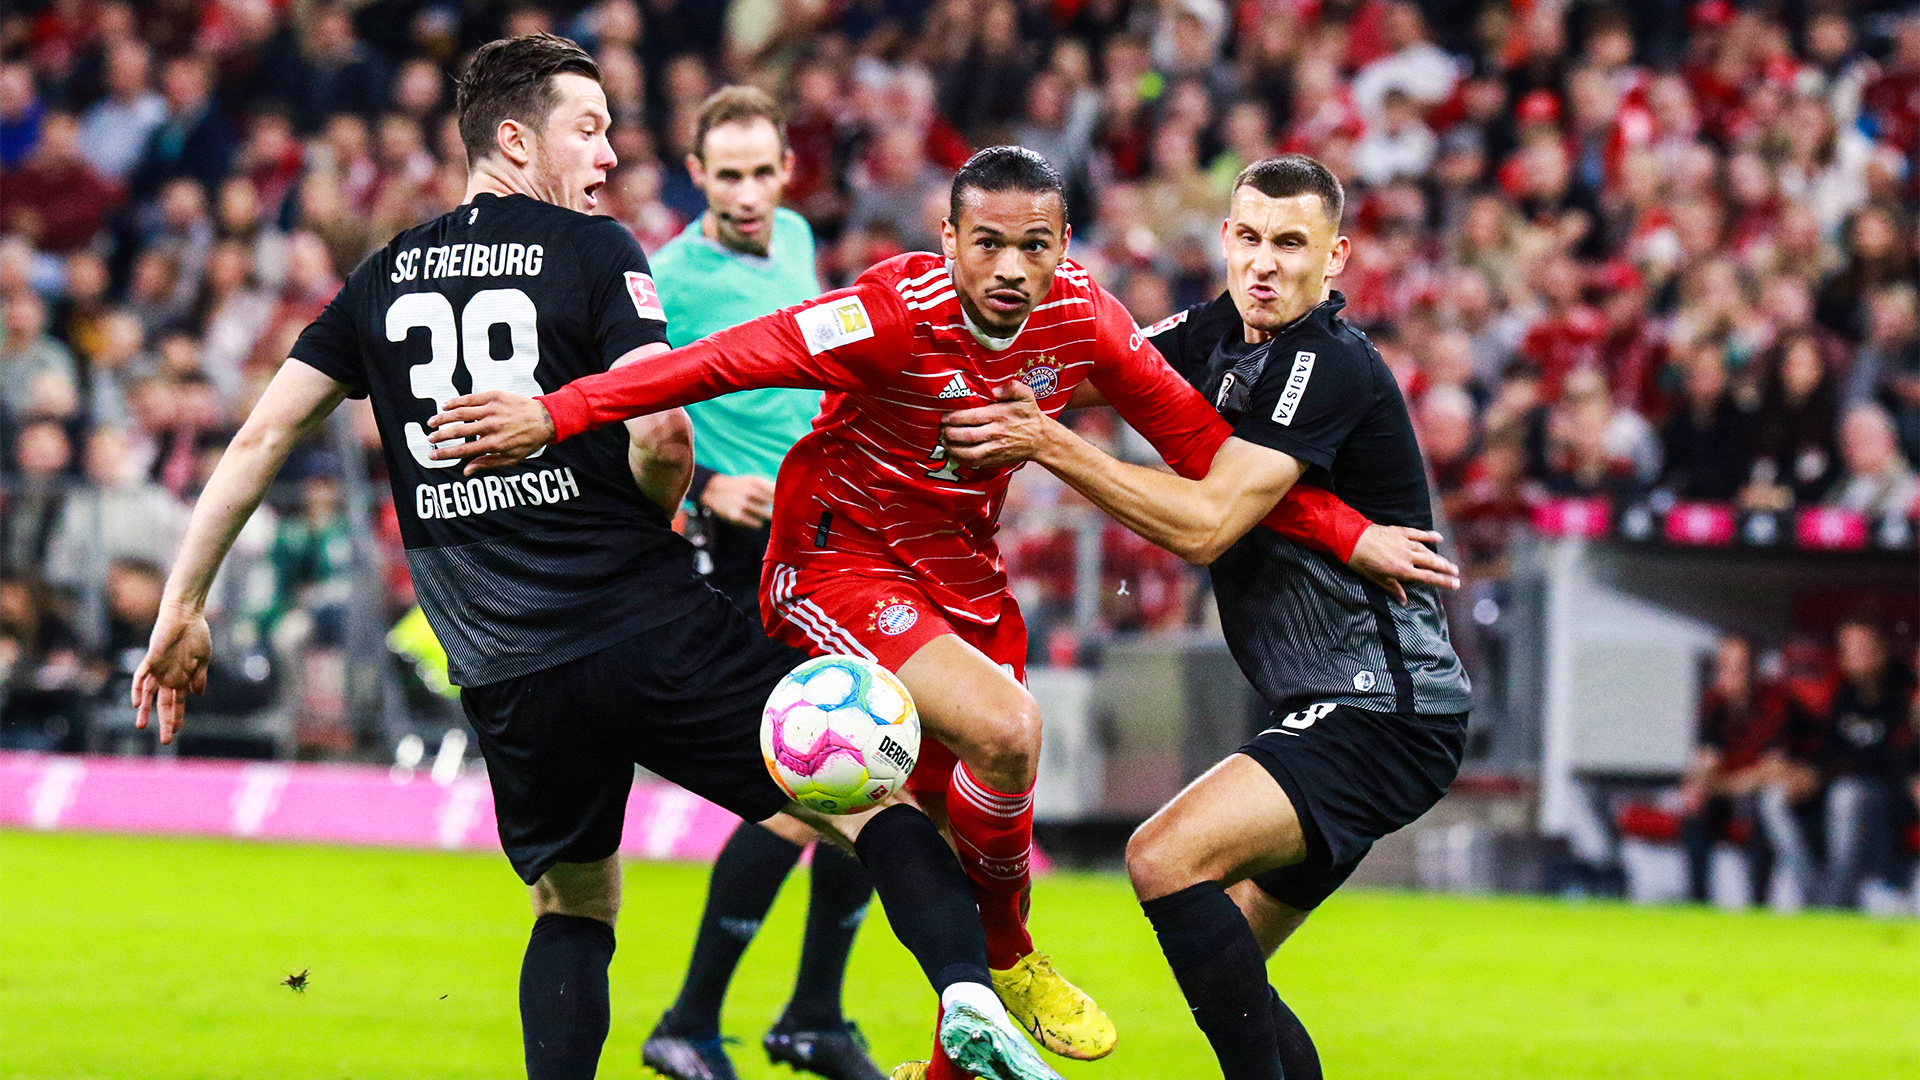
[1369,701]
[571,614]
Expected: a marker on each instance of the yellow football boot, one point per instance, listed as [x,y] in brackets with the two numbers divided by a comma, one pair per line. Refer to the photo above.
[909,1070]
[1059,1015]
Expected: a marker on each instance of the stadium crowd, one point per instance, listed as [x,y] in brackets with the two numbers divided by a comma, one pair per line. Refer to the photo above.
[1639,251]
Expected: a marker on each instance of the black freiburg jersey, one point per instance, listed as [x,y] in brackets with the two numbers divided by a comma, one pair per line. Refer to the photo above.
[1304,627]
[530,566]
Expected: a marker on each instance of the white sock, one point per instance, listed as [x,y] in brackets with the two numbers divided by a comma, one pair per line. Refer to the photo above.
[977,996]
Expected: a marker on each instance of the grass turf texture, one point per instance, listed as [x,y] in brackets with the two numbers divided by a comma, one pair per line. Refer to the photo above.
[148,959]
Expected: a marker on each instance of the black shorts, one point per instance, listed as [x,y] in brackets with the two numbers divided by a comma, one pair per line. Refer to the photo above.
[683,700]
[1353,776]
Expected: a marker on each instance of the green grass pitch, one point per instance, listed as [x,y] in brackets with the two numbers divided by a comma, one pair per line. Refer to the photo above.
[152,959]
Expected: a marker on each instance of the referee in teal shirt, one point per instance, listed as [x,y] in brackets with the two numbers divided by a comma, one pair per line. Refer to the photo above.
[743,258]
[746,256]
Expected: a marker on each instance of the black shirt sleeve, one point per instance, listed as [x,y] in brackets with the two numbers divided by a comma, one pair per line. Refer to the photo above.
[330,344]
[1309,399]
[624,307]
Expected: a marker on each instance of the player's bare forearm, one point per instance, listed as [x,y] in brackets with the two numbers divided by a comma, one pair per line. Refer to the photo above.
[660,453]
[1195,519]
[178,652]
[295,403]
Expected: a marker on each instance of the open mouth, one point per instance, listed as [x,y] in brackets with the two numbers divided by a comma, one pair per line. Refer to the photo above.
[592,192]
[1263,293]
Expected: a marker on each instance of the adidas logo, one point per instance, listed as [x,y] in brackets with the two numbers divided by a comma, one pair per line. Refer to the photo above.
[956,388]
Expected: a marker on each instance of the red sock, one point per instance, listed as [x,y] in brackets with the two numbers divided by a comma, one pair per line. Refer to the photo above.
[994,834]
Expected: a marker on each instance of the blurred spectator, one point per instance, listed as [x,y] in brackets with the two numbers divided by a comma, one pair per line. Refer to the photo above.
[117,364]
[899,183]
[1876,479]
[984,85]
[55,199]
[1708,439]
[30,512]
[116,514]
[1591,448]
[196,141]
[40,672]
[1872,242]
[327,70]
[36,372]
[1887,368]
[1740,750]
[132,600]
[1180,200]
[1059,123]
[1446,425]
[1567,334]
[21,111]
[311,556]
[117,127]
[1794,456]
[1488,506]
[1413,65]
[1397,143]
[1869,756]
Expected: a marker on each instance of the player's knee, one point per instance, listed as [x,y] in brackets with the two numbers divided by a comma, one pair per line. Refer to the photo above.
[588,890]
[1009,751]
[1155,863]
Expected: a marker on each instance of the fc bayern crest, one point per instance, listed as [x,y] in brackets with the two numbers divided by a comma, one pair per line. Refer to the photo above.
[895,617]
[1041,377]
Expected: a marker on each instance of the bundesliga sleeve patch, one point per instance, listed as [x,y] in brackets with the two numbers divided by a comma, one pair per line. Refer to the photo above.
[1296,387]
[829,326]
[646,299]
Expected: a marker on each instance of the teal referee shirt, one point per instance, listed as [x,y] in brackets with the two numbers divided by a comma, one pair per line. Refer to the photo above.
[705,286]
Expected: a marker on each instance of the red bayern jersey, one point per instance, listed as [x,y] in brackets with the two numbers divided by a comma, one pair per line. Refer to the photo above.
[870,489]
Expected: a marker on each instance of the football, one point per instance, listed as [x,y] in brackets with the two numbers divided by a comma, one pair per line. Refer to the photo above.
[840,734]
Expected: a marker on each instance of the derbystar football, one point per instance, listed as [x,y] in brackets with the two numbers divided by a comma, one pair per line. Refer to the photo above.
[840,734]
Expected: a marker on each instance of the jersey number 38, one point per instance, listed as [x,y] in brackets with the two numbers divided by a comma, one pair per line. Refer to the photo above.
[448,339]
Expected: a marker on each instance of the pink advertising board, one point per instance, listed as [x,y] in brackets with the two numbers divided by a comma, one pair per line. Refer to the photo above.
[318,803]
[333,804]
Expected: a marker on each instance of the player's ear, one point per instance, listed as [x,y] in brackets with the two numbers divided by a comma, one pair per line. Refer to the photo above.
[696,170]
[514,140]
[1066,239]
[949,240]
[1337,257]
[786,163]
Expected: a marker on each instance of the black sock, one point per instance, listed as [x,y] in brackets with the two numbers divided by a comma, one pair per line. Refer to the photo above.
[1301,1060]
[746,878]
[927,897]
[563,996]
[1219,968]
[835,910]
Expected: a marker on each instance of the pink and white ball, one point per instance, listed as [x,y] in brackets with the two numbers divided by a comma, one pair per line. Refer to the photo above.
[840,734]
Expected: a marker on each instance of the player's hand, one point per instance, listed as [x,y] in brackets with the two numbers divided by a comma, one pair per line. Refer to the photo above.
[1389,555]
[489,429]
[746,501]
[175,664]
[1010,431]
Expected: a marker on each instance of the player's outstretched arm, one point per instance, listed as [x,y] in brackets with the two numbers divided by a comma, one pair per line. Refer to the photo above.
[1195,519]
[844,340]
[297,400]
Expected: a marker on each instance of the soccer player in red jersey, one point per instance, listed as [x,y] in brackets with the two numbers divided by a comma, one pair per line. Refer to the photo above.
[882,548]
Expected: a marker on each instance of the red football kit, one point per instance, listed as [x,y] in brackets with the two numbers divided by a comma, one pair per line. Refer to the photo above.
[879,543]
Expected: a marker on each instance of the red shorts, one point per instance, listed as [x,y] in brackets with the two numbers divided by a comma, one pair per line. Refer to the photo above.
[885,620]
